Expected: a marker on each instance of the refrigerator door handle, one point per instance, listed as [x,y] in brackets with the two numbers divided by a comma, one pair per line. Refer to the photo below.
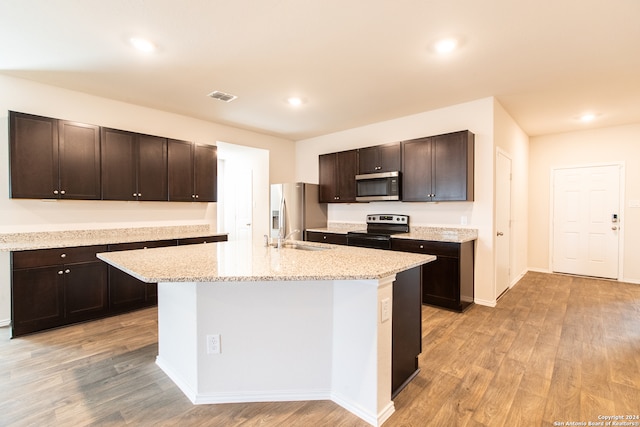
[281,219]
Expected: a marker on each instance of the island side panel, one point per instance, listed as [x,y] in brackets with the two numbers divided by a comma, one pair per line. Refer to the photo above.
[275,341]
[177,335]
[361,376]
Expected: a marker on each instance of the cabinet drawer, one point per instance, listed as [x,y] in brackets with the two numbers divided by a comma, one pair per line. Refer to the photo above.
[332,238]
[204,239]
[57,256]
[142,245]
[449,249]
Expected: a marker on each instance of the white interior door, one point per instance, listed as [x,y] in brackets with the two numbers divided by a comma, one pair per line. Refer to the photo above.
[244,204]
[586,223]
[503,223]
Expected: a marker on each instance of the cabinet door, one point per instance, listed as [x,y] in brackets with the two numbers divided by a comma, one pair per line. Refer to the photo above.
[390,157]
[441,282]
[180,171]
[205,172]
[118,165]
[34,156]
[416,174]
[152,168]
[79,160]
[346,169]
[327,178]
[125,291]
[86,290]
[368,160]
[37,299]
[452,167]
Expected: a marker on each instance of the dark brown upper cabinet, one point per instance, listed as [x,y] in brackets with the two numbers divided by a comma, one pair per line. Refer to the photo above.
[438,168]
[381,158]
[337,177]
[193,170]
[134,166]
[53,159]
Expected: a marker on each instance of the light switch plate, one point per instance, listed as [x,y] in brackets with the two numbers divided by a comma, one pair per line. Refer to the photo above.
[634,203]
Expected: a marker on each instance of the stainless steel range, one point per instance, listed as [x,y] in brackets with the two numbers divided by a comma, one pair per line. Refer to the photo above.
[379,230]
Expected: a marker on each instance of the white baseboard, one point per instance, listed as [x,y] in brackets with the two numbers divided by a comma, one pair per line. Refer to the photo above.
[5,322]
[486,303]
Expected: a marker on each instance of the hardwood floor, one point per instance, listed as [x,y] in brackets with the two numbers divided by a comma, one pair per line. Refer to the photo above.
[555,349]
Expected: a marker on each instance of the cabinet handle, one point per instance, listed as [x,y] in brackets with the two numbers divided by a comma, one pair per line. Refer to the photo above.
[421,246]
[63,255]
[62,191]
[139,194]
[67,271]
[60,272]
[324,237]
[197,196]
[55,191]
[193,196]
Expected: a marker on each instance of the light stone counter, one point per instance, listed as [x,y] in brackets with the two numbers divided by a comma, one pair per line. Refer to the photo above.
[244,261]
[436,234]
[440,234]
[68,238]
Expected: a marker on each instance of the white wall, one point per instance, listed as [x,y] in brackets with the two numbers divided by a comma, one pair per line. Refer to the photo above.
[476,116]
[589,147]
[21,215]
[512,140]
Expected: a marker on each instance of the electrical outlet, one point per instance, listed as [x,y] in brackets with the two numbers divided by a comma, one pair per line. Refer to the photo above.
[385,310]
[213,344]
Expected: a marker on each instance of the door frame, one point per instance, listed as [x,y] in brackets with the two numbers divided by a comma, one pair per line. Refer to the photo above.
[621,216]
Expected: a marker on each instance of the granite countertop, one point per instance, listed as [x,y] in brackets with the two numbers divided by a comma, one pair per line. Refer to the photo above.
[245,261]
[437,234]
[67,238]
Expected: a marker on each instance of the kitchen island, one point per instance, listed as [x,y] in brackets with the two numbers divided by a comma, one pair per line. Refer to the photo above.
[241,322]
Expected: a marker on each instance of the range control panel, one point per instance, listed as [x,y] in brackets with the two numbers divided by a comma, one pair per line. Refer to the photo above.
[388,219]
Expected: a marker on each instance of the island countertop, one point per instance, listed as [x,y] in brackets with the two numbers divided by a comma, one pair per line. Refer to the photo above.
[247,261]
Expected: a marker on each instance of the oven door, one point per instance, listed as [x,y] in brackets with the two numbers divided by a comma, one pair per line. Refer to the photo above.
[369,241]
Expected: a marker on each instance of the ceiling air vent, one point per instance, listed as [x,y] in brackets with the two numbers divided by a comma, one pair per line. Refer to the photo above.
[222,96]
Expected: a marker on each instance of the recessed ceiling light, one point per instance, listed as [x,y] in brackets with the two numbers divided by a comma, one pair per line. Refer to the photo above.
[142,45]
[588,117]
[294,101]
[446,45]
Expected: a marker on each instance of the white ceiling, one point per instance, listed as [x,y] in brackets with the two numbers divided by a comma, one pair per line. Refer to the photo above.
[354,62]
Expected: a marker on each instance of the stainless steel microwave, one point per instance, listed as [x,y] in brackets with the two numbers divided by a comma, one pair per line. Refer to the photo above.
[378,186]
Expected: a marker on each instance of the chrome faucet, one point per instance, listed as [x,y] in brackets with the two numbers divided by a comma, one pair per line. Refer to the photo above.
[282,239]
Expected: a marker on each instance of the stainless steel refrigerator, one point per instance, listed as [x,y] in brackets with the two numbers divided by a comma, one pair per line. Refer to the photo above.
[294,206]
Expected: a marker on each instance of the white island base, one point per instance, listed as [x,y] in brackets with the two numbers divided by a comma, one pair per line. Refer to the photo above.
[281,341]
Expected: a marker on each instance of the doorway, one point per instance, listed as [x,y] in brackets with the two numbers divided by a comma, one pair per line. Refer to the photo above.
[586,220]
[503,223]
[243,191]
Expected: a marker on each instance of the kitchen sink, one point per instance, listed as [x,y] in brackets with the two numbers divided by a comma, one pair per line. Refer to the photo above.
[302,247]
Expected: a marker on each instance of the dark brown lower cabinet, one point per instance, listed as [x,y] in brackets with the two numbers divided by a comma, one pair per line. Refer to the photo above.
[448,281]
[57,287]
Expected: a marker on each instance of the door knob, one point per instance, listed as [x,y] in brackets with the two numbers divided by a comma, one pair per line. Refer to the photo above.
[500,233]
[614,228]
